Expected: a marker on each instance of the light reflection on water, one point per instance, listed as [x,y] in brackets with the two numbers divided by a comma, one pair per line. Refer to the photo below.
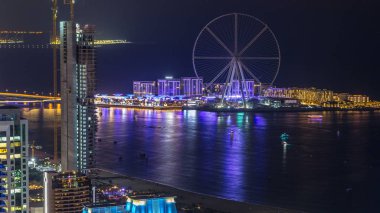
[240,156]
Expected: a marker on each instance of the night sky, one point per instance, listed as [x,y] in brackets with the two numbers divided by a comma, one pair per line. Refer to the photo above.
[325,44]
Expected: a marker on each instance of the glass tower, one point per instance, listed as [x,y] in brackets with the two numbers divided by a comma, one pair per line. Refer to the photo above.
[14,173]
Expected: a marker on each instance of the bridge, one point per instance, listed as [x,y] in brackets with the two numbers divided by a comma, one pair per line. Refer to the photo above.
[9,97]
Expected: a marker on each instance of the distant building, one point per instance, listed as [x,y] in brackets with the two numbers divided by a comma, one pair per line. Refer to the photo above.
[142,203]
[105,207]
[168,87]
[66,192]
[192,86]
[279,102]
[14,173]
[78,119]
[358,98]
[151,203]
[144,88]
[340,97]
[248,89]
[305,95]
[215,89]
[233,90]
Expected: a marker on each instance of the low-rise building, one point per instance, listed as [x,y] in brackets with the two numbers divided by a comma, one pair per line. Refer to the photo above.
[358,98]
[305,95]
[168,87]
[144,88]
[66,192]
[192,86]
[154,203]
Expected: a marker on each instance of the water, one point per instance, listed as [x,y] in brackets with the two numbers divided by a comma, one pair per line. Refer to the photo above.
[331,165]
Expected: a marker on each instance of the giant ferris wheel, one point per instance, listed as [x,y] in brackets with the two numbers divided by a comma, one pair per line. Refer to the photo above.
[236,50]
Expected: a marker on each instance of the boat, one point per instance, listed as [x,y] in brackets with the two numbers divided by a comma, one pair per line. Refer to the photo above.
[315,116]
[284,138]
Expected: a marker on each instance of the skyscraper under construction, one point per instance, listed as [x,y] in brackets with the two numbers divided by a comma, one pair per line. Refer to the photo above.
[78,122]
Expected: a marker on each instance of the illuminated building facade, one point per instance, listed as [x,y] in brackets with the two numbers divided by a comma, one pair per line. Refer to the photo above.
[14,173]
[78,119]
[66,192]
[168,87]
[144,88]
[216,89]
[151,203]
[249,89]
[305,95]
[144,203]
[358,98]
[192,86]
[187,86]
[103,208]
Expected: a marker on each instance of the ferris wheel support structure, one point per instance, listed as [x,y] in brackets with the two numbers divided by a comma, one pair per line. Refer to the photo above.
[240,63]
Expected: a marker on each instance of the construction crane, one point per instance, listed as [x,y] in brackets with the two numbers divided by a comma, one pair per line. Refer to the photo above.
[16,42]
[71,3]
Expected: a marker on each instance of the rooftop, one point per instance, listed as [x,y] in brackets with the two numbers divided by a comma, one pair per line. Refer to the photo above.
[146,196]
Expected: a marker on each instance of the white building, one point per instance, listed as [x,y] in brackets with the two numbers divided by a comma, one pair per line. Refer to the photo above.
[14,173]
[169,86]
[192,86]
[144,88]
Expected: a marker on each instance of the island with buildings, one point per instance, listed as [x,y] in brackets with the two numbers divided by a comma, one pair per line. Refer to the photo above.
[193,93]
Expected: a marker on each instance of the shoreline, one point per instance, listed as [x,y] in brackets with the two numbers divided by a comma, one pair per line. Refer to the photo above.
[186,198]
[266,110]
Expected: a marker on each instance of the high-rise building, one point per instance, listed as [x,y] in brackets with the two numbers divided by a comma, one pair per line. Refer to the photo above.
[66,192]
[144,88]
[78,122]
[14,173]
[192,86]
[169,87]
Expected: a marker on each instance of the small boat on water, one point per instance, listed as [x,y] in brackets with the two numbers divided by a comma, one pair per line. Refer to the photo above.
[315,116]
[284,138]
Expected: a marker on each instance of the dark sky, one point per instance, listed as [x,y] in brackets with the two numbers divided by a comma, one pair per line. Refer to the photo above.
[325,44]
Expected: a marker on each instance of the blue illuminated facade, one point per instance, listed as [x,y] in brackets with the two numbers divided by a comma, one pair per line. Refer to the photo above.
[111,208]
[137,204]
[151,205]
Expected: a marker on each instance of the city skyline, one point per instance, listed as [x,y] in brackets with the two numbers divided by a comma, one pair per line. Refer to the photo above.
[317,45]
[189,106]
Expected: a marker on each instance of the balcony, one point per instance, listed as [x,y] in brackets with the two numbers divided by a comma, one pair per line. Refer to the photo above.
[3,174]
[3,197]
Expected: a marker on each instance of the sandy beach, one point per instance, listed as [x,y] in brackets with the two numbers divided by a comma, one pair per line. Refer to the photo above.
[184,198]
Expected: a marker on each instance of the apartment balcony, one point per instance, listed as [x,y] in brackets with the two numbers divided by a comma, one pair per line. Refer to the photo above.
[3,197]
